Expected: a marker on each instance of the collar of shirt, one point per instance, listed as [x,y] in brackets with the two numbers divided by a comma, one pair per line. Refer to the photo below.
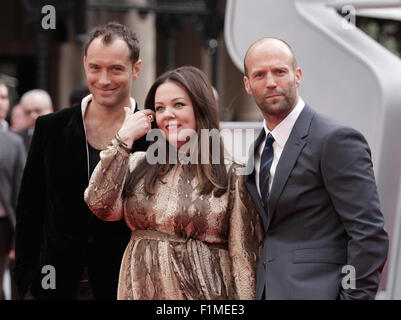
[85,101]
[280,134]
[282,131]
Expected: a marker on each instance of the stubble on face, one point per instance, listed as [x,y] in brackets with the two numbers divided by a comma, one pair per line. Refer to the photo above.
[280,105]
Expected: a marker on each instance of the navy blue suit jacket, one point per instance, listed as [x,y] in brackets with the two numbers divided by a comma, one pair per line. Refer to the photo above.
[323,214]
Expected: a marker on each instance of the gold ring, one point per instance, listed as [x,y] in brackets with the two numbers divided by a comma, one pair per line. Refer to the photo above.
[150,118]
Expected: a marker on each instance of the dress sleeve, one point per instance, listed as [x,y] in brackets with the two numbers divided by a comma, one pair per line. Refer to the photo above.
[245,237]
[104,192]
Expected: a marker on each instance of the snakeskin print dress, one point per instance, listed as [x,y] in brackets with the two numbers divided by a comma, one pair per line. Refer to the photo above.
[183,245]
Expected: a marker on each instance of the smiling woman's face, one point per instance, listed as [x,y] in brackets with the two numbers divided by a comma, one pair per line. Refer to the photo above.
[174,113]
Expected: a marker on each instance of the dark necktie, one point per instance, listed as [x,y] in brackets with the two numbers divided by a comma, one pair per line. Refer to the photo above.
[265,165]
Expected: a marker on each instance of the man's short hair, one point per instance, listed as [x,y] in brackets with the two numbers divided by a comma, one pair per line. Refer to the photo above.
[113,29]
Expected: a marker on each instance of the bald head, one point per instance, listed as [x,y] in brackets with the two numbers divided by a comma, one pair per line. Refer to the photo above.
[272,78]
[36,103]
[270,44]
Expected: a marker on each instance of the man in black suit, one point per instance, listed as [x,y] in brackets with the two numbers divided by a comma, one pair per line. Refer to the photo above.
[58,239]
[313,182]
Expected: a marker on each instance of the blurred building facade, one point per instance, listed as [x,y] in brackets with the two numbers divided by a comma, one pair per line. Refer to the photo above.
[172,33]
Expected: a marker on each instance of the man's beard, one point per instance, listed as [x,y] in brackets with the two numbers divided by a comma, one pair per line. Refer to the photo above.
[282,107]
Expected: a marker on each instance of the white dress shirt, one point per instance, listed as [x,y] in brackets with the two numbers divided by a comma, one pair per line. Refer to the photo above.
[280,134]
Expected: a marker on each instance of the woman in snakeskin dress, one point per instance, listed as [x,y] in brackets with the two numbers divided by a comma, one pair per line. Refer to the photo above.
[195,231]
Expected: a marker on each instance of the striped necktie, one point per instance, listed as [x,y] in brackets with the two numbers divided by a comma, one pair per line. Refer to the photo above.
[265,165]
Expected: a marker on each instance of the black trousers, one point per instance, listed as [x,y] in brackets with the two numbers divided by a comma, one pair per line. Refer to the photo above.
[96,279]
[104,262]
[263,294]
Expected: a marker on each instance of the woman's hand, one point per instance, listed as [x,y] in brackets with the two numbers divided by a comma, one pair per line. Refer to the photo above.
[135,125]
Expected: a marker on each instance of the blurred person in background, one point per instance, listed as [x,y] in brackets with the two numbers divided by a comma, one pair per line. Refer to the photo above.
[12,161]
[4,106]
[19,121]
[35,103]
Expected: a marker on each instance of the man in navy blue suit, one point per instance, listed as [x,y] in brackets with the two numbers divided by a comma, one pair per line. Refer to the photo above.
[313,182]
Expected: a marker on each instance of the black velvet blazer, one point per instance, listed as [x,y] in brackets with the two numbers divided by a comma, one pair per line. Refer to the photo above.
[54,224]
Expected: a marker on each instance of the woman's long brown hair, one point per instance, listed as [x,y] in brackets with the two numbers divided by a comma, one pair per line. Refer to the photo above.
[212,177]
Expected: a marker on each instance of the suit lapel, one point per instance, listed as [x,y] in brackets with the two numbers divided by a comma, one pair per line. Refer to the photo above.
[250,178]
[295,143]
